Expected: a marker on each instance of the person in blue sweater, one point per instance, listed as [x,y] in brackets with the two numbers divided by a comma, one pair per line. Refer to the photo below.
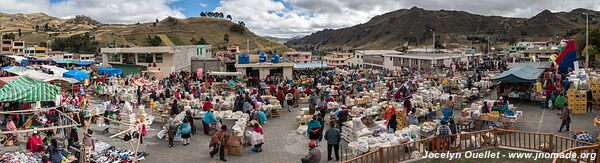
[208,119]
[185,131]
[262,117]
[313,128]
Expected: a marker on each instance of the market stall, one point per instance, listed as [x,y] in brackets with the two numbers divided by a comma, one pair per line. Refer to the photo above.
[519,83]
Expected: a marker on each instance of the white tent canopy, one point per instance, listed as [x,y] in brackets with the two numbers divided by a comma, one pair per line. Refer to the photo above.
[56,70]
[225,74]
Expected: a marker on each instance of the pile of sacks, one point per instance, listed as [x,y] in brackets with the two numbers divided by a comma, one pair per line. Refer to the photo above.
[240,126]
[484,85]
[359,146]
[354,129]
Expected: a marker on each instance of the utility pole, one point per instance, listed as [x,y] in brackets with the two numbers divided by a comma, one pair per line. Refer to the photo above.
[433,41]
[587,29]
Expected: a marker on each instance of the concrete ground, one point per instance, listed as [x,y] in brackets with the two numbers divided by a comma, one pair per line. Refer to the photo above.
[283,144]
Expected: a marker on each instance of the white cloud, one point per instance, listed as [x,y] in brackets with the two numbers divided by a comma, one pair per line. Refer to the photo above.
[302,17]
[106,11]
[203,5]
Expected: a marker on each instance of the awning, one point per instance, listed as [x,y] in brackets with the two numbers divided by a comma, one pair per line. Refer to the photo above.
[523,74]
[84,63]
[25,89]
[63,61]
[225,74]
[56,70]
[110,71]
[37,75]
[6,80]
[540,65]
[76,74]
[19,59]
[62,79]
[16,69]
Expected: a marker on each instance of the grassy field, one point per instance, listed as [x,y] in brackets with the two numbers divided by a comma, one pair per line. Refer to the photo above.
[490,160]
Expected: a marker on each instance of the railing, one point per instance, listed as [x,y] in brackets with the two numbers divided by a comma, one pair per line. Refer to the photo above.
[490,138]
[582,154]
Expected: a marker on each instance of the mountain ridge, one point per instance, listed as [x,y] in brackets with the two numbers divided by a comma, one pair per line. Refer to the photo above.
[413,27]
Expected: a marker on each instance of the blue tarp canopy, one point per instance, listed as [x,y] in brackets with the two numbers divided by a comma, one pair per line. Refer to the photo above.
[110,71]
[77,75]
[523,74]
[83,63]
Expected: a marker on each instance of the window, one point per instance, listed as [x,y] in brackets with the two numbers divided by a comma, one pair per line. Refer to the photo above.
[145,58]
[111,57]
[159,58]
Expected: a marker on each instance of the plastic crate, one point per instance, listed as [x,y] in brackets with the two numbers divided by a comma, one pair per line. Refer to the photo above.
[578,110]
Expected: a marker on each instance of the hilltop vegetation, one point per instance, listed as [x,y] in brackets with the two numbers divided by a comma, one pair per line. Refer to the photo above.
[38,28]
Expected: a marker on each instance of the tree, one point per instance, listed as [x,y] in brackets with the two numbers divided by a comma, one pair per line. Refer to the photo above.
[237,28]
[156,20]
[202,41]
[202,14]
[19,30]
[229,17]
[10,36]
[81,43]
[46,27]
[43,44]
[154,41]
[226,38]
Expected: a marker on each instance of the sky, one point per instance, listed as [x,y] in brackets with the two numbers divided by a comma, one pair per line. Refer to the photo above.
[280,18]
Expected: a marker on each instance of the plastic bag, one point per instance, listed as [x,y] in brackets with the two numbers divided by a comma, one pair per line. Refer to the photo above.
[161,134]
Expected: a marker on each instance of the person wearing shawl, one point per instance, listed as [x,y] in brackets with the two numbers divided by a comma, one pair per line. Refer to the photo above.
[34,143]
[313,128]
[185,131]
[208,119]
[390,111]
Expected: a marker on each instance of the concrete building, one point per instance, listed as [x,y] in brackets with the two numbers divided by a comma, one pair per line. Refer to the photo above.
[67,56]
[137,59]
[55,55]
[204,51]
[35,51]
[338,59]
[18,48]
[298,56]
[207,64]
[84,57]
[394,60]
[261,70]
[358,59]
[6,46]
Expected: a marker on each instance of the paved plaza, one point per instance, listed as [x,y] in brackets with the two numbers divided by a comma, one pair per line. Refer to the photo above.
[283,144]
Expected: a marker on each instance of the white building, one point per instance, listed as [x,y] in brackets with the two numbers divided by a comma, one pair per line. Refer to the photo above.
[167,58]
[358,58]
[394,60]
